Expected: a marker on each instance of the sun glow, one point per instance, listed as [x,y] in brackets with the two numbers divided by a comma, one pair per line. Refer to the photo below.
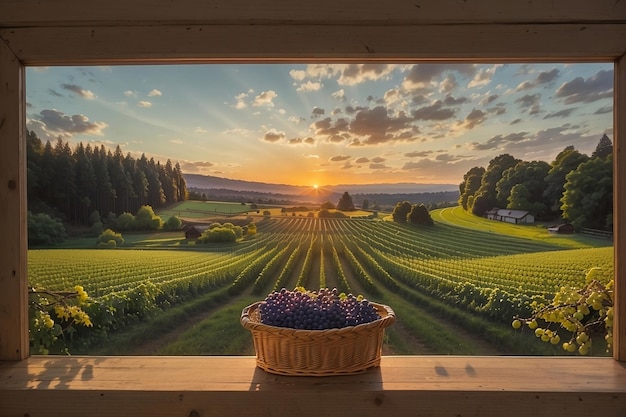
[315,186]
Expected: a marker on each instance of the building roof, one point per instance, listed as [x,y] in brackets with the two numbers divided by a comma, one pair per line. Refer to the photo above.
[516,214]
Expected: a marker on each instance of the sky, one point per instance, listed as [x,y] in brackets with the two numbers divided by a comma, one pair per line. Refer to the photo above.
[327,124]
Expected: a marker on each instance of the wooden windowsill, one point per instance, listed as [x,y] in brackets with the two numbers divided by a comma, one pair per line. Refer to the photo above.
[233,386]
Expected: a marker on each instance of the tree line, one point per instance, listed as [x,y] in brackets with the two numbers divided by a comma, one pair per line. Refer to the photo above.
[73,183]
[574,187]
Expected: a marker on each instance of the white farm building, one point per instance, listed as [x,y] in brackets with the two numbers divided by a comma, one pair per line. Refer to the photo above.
[510,216]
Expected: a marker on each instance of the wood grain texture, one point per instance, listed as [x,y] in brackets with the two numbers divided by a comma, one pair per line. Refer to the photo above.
[233,386]
[110,45]
[20,13]
[13,245]
[619,209]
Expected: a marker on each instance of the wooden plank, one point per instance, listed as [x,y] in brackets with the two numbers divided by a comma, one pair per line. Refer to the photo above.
[21,13]
[619,210]
[106,45]
[13,245]
[233,386]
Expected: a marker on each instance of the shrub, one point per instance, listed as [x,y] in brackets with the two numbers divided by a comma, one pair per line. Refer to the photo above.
[126,221]
[147,220]
[109,235]
[107,245]
[44,230]
[173,223]
[218,235]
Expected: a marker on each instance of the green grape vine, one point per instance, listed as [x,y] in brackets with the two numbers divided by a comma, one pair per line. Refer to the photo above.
[582,313]
[53,314]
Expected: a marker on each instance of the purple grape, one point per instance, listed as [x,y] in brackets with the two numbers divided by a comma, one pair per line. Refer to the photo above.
[310,310]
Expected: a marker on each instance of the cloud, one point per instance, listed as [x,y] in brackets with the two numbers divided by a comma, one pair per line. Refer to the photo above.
[353,74]
[86,94]
[339,94]
[446,157]
[560,113]
[265,99]
[378,159]
[130,93]
[144,104]
[529,100]
[416,154]
[393,96]
[378,166]
[483,77]
[605,109]
[317,112]
[200,130]
[443,166]
[499,141]
[524,85]
[498,109]
[488,99]
[378,126]
[154,93]
[580,90]
[54,123]
[296,120]
[473,119]
[273,136]
[408,166]
[362,160]
[239,131]
[297,75]
[544,77]
[54,93]
[176,141]
[448,85]
[351,109]
[451,101]
[299,141]
[241,103]
[424,75]
[309,86]
[326,127]
[197,166]
[435,111]
[339,158]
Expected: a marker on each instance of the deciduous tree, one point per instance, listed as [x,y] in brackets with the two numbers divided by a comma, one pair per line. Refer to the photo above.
[401,211]
[588,197]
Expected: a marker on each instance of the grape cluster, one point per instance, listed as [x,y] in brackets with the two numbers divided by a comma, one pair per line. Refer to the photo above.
[582,312]
[310,310]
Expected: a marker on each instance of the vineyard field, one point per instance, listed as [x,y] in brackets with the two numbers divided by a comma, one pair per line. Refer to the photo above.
[476,275]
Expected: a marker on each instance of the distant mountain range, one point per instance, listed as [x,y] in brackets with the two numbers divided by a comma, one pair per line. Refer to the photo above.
[209,182]
[225,187]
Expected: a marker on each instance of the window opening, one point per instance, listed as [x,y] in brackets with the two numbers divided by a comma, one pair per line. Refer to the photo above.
[272,149]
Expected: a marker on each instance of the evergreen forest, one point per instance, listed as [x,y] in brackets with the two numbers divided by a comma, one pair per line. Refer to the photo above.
[71,184]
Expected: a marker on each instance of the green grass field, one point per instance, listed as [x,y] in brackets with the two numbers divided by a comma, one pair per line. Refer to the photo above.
[192,209]
[456,216]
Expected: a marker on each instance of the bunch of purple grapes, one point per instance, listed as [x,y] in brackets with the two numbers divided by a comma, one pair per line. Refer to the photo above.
[310,310]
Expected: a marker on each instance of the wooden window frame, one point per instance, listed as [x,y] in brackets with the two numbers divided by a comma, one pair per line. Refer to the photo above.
[68,32]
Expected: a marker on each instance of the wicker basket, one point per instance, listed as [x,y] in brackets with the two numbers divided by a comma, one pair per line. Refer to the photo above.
[345,351]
